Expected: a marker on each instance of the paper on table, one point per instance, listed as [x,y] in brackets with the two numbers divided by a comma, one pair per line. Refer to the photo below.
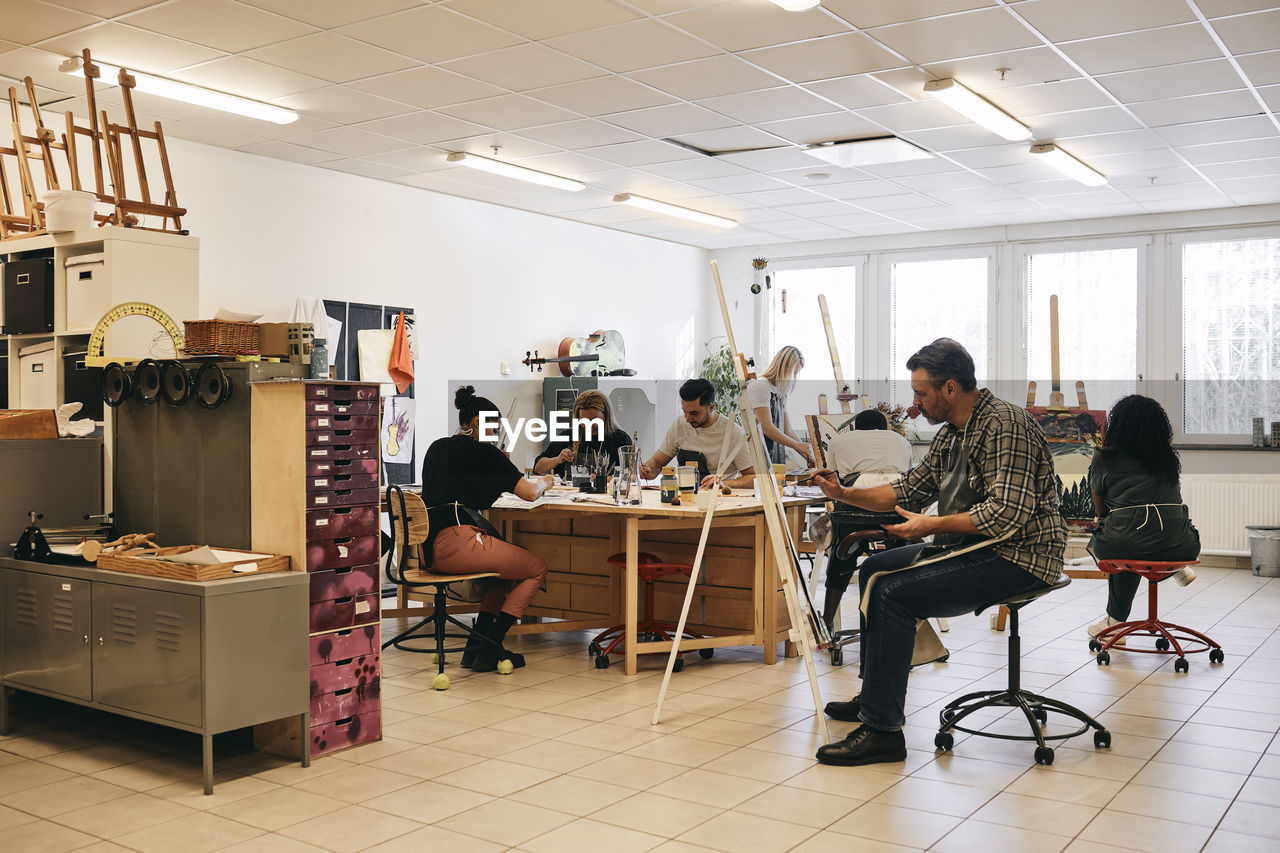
[206,556]
[235,317]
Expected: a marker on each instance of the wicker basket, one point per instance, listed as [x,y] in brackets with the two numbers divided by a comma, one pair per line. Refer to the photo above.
[220,337]
[133,564]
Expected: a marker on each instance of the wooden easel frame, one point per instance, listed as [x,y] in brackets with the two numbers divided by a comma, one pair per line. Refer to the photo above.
[91,73]
[112,135]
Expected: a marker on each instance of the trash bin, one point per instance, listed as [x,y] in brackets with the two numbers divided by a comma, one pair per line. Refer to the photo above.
[1264,551]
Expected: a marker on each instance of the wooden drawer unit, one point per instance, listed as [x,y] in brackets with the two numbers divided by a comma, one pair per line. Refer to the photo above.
[316,493]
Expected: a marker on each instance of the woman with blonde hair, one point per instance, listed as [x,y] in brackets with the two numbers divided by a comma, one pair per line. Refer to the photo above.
[768,397]
[561,455]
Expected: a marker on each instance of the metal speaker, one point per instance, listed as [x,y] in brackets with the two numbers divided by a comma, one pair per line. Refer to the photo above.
[146,381]
[213,388]
[175,383]
[116,384]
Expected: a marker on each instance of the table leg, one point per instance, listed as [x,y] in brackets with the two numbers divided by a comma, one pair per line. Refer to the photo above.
[631,593]
[767,592]
[306,738]
[208,764]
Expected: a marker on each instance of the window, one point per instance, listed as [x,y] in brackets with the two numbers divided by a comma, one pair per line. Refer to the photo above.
[686,361]
[1230,335]
[796,319]
[1097,294]
[931,299]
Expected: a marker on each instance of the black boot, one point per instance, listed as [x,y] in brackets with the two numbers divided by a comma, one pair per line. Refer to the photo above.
[476,640]
[847,712]
[865,745]
[490,653]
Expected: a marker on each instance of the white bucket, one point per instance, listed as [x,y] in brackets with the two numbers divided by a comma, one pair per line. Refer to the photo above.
[68,210]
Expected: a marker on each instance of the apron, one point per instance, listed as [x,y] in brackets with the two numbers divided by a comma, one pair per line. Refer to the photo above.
[777,414]
[955,496]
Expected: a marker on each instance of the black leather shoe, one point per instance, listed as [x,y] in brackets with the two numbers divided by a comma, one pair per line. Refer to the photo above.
[845,711]
[865,745]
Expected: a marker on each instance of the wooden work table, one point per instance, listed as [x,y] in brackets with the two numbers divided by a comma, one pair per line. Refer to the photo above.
[737,602]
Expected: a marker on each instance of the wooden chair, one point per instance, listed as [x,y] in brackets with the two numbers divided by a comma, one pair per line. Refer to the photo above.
[409,528]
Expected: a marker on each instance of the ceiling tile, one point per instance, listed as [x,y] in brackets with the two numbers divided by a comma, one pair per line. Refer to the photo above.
[1067,20]
[136,49]
[602,95]
[277,150]
[900,201]
[1172,81]
[1270,184]
[343,105]
[423,128]
[1249,33]
[582,133]
[646,152]
[1141,174]
[512,147]
[508,112]
[416,159]
[1008,154]
[819,210]
[1218,8]
[1041,98]
[364,168]
[348,141]
[946,181]
[1242,169]
[955,138]
[745,24]
[744,141]
[694,167]
[430,33]
[1227,152]
[330,57]
[1167,46]
[1262,69]
[956,36]
[777,198]
[632,46]
[983,73]
[220,24]
[670,120]
[1196,108]
[865,15]
[524,67]
[215,132]
[915,115]
[1143,162]
[546,18]
[824,58]
[1271,96]
[858,187]
[706,78]
[1226,130]
[831,127]
[768,105]
[1080,123]
[1115,143]
[30,21]
[107,8]
[856,93]
[328,14]
[567,163]
[249,78]
[426,87]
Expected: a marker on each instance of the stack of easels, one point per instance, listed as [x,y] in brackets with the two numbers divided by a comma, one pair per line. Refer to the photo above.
[21,211]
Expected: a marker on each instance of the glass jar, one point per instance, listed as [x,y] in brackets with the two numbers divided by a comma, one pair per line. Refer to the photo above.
[669,485]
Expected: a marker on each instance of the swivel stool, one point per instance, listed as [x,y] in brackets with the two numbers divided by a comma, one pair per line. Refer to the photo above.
[1171,639]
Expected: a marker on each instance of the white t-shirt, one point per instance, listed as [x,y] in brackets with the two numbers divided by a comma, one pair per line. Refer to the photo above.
[869,451]
[708,442]
[758,391]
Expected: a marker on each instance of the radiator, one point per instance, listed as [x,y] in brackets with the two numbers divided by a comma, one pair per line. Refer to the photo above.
[1221,508]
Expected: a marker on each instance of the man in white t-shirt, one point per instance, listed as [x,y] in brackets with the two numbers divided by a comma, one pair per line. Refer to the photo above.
[702,429]
[871,450]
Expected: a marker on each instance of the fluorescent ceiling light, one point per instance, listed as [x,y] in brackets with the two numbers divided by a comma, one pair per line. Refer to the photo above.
[186,92]
[675,210]
[866,152]
[511,170]
[977,109]
[1068,165]
[796,5]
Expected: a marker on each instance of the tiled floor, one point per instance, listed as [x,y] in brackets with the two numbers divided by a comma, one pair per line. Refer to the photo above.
[560,756]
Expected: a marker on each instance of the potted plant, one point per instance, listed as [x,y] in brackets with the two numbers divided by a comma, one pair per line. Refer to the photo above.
[718,369]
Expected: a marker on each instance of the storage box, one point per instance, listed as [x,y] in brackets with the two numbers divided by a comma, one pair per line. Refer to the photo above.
[28,296]
[134,562]
[36,386]
[20,423]
[81,383]
[88,295]
[219,337]
[273,340]
[301,336]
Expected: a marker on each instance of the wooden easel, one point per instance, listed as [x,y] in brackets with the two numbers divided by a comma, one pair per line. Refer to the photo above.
[112,134]
[93,132]
[843,393]
[25,149]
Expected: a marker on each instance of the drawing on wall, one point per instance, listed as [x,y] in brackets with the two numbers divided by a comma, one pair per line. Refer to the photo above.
[397,429]
[823,428]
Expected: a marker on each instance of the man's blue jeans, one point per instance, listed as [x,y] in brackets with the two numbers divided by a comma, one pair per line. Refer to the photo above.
[947,588]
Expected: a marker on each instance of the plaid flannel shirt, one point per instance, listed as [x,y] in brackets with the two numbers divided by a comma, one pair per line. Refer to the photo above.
[1011,467]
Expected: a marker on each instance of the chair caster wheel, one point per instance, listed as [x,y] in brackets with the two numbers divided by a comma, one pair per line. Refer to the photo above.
[706,654]
[837,657]
[1095,646]
[1104,658]
[1041,715]
[602,661]
[1215,656]
[1102,739]
[1181,665]
[944,741]
[592,650]
[678,666]
[1162,644]
[1044,755]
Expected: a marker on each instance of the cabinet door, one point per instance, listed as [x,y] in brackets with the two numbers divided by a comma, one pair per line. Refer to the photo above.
[46,633]
[146,652]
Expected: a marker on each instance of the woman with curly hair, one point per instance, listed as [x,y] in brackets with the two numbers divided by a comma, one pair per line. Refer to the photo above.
[1134,481]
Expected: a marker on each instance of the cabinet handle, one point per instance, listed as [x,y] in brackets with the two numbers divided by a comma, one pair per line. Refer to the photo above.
[86,639]
[100,642]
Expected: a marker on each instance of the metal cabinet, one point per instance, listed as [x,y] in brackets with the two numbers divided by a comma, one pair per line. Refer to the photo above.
[46,627]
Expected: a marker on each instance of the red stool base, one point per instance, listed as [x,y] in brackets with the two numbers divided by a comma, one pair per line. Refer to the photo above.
[1171,639]
[647,628]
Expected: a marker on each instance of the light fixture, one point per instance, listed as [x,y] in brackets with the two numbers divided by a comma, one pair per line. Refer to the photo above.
[977,109]
[1068,165]
[866,152]
[186,92]
[511,170]
[675,210]
[796,5]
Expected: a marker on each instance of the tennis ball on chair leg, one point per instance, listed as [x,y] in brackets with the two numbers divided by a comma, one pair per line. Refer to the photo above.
[440,682]
[505,667]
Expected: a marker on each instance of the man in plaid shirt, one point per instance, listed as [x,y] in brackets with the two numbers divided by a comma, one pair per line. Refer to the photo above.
[991,463]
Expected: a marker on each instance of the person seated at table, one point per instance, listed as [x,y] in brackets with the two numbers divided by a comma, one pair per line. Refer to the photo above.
[1134,481]
[560,456]
[870,454]
[768,396]
[703,429]
[461,476]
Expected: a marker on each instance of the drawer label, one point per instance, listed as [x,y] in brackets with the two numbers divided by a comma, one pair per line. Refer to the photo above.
[362,607]
[320,407]
[322,422]
[321,482]
[319,453]
[343,550]
[322,522]
[66,587]
[322,499]
[322,438]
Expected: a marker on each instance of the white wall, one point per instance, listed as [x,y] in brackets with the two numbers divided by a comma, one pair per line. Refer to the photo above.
[487,282]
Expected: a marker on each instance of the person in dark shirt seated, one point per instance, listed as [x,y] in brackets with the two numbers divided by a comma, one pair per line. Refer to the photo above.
[561,455]
[461,476]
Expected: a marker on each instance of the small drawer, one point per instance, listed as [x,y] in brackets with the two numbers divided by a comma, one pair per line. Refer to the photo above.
[342,451]
[347,672]
[341,522]
[345,732]
[328,584]
[341,390]
[349,702]
[342,407]
[326,421]
[348,643]
[329,437]
[341,497]
[327,467]
[359,480]
[340,553]
[345,612]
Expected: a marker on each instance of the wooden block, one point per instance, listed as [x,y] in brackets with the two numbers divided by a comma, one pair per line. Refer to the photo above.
[28,423]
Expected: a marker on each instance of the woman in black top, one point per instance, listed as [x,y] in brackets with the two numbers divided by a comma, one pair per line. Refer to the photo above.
[462,475]
[1134,481]
[560,455]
